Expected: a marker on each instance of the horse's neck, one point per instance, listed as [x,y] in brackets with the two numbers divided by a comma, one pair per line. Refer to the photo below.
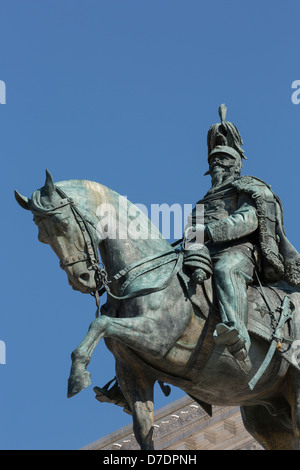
[127,233]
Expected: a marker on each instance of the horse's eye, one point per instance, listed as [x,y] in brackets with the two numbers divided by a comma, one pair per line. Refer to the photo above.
[65,224]
[60,224]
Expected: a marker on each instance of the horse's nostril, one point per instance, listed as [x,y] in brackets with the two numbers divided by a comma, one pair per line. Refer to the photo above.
[85,277]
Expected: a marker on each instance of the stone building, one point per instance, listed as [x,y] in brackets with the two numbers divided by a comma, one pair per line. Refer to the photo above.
[184,425]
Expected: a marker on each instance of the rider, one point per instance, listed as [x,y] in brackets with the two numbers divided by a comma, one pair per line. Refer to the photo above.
[243,232]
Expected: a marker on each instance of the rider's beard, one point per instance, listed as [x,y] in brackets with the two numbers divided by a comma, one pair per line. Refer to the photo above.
[218,176]
[221,174]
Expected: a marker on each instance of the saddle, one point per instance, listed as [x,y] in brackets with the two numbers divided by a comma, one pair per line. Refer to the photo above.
[264,314]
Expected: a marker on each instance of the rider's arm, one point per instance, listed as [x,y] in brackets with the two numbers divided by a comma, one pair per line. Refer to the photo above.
[241,223]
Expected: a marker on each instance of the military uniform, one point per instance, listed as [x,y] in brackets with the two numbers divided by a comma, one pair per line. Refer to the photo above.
[244,232]
[230,220]
[244,225]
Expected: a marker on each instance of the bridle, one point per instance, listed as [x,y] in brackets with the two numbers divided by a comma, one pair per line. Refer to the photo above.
[92,255]
[84,224]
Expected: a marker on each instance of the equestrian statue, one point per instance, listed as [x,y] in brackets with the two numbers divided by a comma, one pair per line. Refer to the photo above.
[215,314]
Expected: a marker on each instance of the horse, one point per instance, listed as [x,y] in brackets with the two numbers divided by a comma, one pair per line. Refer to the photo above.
[156,327]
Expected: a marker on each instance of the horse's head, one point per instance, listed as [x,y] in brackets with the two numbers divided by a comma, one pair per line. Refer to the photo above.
[71,235]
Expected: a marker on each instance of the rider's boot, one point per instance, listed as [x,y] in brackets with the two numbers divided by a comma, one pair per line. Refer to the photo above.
[228,333]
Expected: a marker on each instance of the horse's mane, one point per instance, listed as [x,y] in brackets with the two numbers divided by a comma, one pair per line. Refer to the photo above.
[89,195]
[76,189]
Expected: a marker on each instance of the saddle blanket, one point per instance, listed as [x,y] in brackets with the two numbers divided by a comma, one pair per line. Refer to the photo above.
[263,314]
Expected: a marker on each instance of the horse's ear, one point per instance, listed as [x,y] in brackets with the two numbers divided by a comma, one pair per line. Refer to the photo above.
[22,200]
[49,187]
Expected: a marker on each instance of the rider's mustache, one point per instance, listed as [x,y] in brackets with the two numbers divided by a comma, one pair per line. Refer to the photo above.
[221,164]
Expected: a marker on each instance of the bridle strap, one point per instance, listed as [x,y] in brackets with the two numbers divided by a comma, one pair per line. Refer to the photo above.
[177,257]
[73,259]
[92,250]
[142,261]
[92,255]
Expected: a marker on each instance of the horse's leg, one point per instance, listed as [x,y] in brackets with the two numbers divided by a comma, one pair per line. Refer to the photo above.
[138,391]
[293,397]
[153,336]
[272,431]
[80,378]
[143,333]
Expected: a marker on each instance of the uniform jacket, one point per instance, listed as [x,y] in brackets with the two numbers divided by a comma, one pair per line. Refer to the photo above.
[247,209]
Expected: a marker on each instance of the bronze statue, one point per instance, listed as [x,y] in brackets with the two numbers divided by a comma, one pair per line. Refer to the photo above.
[243,231]
[165,319]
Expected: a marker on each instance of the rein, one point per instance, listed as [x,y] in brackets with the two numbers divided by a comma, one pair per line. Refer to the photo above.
[101,277]
[176,256]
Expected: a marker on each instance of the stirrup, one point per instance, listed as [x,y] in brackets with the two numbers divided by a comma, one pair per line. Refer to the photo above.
[228,334]
[113,395]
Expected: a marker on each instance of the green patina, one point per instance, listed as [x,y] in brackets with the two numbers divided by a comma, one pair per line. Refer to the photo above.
[216,318]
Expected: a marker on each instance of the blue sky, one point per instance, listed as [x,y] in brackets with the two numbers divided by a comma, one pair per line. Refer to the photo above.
[123,93]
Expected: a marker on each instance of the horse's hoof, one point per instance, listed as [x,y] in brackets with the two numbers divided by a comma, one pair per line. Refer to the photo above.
[78,382]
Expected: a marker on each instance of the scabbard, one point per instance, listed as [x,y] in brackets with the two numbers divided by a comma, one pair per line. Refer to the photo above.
[287,310]
[264,364]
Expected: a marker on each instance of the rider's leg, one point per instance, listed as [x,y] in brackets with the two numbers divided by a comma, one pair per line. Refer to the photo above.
[233,270]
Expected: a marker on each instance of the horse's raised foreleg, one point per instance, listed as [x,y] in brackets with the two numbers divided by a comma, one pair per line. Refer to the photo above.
[146,334]
[80,378]
[138,391]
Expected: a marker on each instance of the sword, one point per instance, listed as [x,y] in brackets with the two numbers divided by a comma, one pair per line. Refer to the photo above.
[287,309]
